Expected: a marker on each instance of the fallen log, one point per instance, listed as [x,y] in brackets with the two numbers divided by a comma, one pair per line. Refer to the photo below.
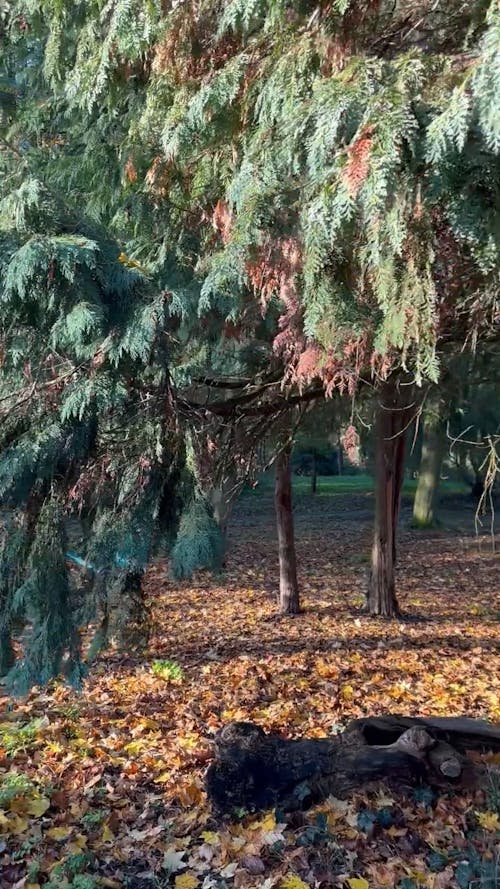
[253,770]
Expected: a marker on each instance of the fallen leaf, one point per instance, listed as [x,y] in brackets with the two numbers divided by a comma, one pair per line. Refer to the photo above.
[38,806]
[59,833]
[292,881]
[186,881]
[172,861]
[107,835]
[358,883]
[253,864]
[489,821]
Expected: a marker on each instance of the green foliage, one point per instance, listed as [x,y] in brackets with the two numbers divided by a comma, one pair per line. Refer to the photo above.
[330,166]
[83,340]
[44,598]
[199,543]
[167,670]
[12,786]
[310,123]
[15,739]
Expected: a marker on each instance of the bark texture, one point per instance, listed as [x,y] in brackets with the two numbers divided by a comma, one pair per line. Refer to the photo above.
[394,415]
[253,770]
[289,589]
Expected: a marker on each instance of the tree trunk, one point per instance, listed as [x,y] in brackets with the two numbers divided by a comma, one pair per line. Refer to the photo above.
[340,456]
[222,500]
[424,507]
[393,416]
[289,590]
[314,475]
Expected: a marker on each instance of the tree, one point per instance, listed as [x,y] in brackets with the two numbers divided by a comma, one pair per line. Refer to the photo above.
[87,424]
[312,188]
[289,588]
[433,446]
[395,413]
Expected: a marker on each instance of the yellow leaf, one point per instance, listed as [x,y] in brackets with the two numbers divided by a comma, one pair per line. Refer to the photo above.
[489,821]
[292,881]
[267,823]
[134,747]
[59,833]
[17,825]
[76,845]
[186,881]
[163,778]
[347,692]
[210,837]
[358,883]
[107,835]
[38,806]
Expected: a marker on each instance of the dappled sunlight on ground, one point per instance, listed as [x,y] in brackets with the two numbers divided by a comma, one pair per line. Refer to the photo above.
[115,774]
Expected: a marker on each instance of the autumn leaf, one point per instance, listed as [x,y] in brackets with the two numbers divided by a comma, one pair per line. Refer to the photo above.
[38,806]
[292,881]
[358,883]
[107,835]
[489,821]
[267,823]
[59,833]
[172,861]
[186,881]
[17,825]
[210,837]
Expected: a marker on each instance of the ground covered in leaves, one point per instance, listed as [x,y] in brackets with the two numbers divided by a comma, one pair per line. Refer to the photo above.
[105,788]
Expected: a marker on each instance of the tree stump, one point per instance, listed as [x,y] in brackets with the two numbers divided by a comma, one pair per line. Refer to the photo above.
[254,771]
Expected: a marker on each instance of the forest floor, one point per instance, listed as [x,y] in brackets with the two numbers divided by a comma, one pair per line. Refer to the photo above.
[105,788]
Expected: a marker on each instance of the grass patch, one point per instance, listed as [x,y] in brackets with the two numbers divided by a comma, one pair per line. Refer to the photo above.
[346,484]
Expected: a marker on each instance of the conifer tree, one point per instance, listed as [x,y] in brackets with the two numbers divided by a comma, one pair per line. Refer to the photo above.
[333,166]
[85,410]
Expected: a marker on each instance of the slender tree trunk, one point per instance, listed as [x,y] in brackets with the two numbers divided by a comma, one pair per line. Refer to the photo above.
[340,456]
[314,475]
[289,590]
[393,416]
[222,500]
[424,507]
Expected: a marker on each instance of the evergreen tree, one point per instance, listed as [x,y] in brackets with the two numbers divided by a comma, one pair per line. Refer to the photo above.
[86,421]
[333,166]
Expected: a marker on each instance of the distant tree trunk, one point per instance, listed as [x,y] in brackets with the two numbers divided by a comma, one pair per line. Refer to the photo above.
[429,473]
[222,500]
[289,590]
[393,416]
[314,474]
[340,456]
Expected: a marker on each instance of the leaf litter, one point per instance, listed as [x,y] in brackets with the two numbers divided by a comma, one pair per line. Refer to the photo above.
[105,788]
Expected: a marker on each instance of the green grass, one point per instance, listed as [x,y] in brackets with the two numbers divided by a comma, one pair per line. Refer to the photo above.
[347,484]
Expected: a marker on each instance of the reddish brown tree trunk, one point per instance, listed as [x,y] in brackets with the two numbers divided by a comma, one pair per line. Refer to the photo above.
[393,417]
[289,589]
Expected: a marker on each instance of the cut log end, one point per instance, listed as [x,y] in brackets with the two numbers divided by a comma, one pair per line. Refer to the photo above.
[450,768]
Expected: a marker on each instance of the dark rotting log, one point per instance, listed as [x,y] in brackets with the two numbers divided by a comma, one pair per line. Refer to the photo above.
[253,770]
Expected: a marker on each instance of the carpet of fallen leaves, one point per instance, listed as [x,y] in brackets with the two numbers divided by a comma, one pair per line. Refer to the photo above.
[105,788]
